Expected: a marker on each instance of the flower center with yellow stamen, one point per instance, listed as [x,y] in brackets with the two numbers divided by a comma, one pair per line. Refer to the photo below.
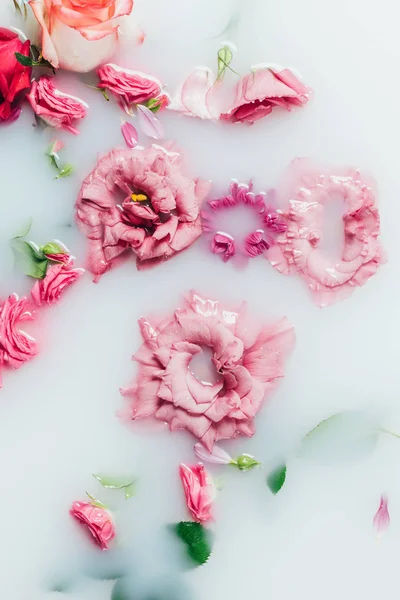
[139,197]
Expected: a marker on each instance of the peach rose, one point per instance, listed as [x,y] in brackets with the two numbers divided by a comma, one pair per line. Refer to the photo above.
[79,35]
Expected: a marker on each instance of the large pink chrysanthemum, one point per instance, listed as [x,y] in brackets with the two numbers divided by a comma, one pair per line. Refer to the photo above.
[296,250]
[139,199]
[248,362]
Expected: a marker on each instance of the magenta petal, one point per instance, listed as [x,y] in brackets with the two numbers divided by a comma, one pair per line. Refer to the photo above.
[255,244]
[130,134]
[223,244]
[149,123]
[382,519]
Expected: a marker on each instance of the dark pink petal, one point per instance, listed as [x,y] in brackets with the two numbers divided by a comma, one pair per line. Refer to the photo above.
[223,244]
[382,519]
[130,134]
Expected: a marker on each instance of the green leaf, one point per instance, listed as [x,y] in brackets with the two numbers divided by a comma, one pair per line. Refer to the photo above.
[113,483]
[29,260]
[66,171]
[153,104]
[276,479]
[53,160]
[120,591]
[53,248]
[197,540]
[130,490]
[24,60]
[24,232]
[347,435]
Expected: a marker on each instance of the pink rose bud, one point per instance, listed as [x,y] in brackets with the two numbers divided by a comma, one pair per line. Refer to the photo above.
[98,521]
[198,491]
[217,456]
[382,519]
[55,108]
[130,134]
[57,279]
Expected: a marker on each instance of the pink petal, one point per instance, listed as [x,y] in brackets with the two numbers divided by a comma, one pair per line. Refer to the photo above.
[149,123]
[194,93]
[130,134]
[381,520]
[218,456]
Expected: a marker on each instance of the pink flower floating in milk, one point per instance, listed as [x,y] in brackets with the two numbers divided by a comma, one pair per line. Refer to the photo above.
[158,217]
[79,36]
[199,491]
[97,519]
[248,360]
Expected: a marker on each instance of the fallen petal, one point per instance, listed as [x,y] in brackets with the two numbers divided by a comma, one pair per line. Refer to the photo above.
[130,134]
[149,123]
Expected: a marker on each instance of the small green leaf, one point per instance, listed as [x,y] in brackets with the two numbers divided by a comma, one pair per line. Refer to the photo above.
[113,483]
[29,260]
[66,171]
[197,540]
[276,479]
[24,60]
[53,160]
[24,232]
[53,248]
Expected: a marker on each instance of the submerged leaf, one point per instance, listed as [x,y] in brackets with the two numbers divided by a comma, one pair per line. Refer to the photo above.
[197,540]
[127,484]
[24,232]
[29,260]
[276,479]
[130,490]
[121,591]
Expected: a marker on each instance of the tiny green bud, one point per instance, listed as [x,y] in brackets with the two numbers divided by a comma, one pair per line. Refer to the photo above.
[245,462]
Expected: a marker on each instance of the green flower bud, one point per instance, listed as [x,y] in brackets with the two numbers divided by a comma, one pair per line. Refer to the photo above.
[245,462]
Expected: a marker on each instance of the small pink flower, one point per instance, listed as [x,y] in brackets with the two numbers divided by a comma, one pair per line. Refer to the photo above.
[255,244]
[98,521]
[55,108]
[57,279]
[222,243]
[16,346]
[264,89]
[130,134]
[198,491]
[217,456]
[130,87]
[382,519]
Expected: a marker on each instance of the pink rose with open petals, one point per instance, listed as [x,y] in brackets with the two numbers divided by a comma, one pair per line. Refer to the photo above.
[198,491]
[262,90]
[55,108]
[98,521]
[158,216]
[249,361]
[79,35]
[58,277]
[16,346]
[131,87]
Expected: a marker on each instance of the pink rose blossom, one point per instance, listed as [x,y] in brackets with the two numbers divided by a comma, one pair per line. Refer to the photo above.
[218,456]
[262,90]
[79,35]
[56,280]
[16,346]
[248,360]
[55,108]
[98,521]
[382,519]
[158,217]
[198,491]
[296,250]
[130,87]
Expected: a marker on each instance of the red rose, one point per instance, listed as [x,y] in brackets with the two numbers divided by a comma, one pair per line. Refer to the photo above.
[15,79]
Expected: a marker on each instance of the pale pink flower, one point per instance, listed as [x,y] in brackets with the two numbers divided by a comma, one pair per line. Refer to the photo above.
[56,108]
[79,35]
[201,95]
[224,244]
[296,250]
[158,217]
[16,346]
[198,491]
[217,456]
[264,89]
[130,134]
[98,521]
[131,87]
[58,277]
[382,519]
[248,359]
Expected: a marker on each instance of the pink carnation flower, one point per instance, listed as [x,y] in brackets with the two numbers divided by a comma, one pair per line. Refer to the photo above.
[198,491]
[296,250]
[98,521]
[131,87]
[249,362]
[262,90]
[158,217]
[55,108]
[58,277]
[16,346]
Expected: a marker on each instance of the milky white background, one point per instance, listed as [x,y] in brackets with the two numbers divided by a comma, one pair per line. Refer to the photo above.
[58,419]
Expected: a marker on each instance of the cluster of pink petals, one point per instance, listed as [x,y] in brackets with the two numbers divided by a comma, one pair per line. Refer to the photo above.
[16,346]
[256,242]
[256,94]
[155,230]
[97,520]
[131,87]
[198,490]
[296,250]
[249,361]
[56,108]
[58,277]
